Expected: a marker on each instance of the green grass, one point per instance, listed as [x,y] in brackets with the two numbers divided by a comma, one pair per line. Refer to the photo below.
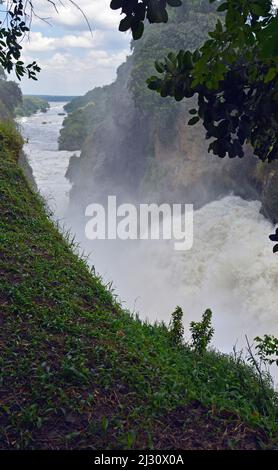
[77,371]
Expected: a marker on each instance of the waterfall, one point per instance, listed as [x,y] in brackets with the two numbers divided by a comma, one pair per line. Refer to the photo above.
[230,269]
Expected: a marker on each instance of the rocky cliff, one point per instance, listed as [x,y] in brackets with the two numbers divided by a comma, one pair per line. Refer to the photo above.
[138,146]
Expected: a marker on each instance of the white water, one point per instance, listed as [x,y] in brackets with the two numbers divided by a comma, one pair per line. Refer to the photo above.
[231,268]
[41,132]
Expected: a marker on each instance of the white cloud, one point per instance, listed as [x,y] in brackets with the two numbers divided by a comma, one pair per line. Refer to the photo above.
[67,74]
[97,12]
[37,42]
[72,59]
[94,60]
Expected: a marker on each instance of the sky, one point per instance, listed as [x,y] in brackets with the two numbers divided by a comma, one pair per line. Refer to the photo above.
[72,59]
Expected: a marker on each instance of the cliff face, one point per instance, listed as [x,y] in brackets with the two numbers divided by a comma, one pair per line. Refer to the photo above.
[138,145]
[269,185]
[183,169]
[27,170]
[113,158]
[139,158]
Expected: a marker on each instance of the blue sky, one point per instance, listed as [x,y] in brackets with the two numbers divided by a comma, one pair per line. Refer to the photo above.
[73,61]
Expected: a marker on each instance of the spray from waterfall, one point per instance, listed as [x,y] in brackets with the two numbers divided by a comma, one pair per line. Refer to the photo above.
[230,268]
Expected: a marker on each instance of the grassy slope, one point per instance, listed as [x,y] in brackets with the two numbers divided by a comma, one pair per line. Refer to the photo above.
[76,371]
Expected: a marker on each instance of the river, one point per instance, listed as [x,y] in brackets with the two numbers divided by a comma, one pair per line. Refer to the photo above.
[230,269]
[41,132]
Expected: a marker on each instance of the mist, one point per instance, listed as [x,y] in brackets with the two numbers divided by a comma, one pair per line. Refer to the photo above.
[230,268]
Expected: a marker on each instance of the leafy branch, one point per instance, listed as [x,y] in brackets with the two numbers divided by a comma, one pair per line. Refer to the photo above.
[234,73]
[17,22]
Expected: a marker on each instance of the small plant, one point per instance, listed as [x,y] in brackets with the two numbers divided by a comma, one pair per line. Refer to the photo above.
[267,349]
[176,329]
[202,332]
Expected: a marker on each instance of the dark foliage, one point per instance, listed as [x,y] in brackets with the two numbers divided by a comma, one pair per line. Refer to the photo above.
[12,31]
[155,11]
[274,238]
[237,112]
[234,73]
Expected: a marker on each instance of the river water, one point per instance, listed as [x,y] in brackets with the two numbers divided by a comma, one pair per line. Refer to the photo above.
[230,269]
[41,132]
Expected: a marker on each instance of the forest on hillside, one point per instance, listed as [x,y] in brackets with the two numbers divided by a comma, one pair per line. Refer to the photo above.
[149,137]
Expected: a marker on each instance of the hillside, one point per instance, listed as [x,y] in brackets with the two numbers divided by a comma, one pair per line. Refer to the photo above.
[77,371]
[10,97]
[136,144]
[11,100]
[30,105]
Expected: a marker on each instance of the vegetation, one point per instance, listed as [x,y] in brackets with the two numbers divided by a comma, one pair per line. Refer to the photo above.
[176,329]
[267,349]
[235,76]
[136,12]
[202,332]
[18,16]
[10,97]
[153,114]
[234,73]
[77,371]
[30,105]
[17,23]
[85,113]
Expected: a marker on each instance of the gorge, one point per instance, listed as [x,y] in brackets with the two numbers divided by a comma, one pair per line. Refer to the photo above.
[138,147]
[230,269]
[146,335]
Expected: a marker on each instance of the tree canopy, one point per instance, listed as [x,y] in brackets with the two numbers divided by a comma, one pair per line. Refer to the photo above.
[234,73]
[15,24]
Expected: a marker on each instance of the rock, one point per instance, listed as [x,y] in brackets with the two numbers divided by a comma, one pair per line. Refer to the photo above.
[270,195]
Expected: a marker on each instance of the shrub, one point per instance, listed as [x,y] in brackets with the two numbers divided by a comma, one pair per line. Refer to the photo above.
[202,332]
[10,138]
[176,329]
[267,349]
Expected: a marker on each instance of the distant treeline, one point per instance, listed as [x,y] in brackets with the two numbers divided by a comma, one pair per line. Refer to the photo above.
[55,98]
[30,105]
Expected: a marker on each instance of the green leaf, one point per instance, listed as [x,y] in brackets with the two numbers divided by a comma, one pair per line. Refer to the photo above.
[156,12]
[271,74]
[270,46]
[154,83]
[159,66]
[193,121]
[125,24]
[187,59]
[223,7]
[116,4]
[170,67]
[219,27]
[178,94]
[174,3]
[275,249]
[137,31]
[257,10]
[164,89]
[172,57]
